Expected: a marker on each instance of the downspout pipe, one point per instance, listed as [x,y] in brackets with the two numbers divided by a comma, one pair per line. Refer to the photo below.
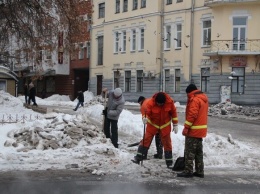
[191,40]
[162,46]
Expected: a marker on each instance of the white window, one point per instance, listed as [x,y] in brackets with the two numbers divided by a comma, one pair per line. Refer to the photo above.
[178,38]
[123,43]
[167,38]
[239,33]
[141,39]
[116,41]
[133,40]
[206,39]
[81,51]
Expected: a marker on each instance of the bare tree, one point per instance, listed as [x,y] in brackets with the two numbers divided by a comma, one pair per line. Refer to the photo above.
[41,24]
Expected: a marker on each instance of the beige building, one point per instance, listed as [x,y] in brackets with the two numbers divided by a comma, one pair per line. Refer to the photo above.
[163,45]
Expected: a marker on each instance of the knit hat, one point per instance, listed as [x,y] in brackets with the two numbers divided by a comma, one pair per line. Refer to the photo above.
[191,88]
[160,98]
[140,99]
[117,92]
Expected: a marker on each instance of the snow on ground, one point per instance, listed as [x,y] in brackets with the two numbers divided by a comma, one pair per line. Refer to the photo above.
[59,141]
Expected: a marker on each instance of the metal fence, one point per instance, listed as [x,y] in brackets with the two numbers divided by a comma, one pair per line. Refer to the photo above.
[8,119]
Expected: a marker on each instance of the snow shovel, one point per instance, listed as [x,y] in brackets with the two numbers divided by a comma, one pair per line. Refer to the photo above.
[133,144]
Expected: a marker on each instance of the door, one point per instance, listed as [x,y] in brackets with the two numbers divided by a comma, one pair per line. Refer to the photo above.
[99,84]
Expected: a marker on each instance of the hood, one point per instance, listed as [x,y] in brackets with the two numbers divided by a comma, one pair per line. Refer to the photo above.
[198,94]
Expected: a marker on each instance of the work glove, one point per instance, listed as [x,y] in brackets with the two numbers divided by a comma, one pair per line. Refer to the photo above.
[185,131]
[144,120]
[175,128]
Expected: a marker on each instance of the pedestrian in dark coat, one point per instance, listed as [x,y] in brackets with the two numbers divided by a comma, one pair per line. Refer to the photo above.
[32,93]
[115,106]
[25,90]
[80,98]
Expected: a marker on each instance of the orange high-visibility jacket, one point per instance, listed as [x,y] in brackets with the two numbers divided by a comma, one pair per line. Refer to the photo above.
[161,117]
[197,114]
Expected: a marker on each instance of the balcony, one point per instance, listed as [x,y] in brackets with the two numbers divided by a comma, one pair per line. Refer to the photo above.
[234,47]
[213,3]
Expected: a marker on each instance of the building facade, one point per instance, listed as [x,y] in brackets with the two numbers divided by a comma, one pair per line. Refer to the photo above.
[162,45]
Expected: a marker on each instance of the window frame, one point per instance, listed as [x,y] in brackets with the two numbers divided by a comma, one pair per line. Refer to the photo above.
[167,35]
[206,30]
[139,80]
[81,51]
[237,79]
[125,5]
[101,10]
[128,81]
[143,3]
[239,43]
[141,39]
[177,80]
[167,80]
[178,36]
[135,4]
[100,51]
[117,6]
[133,40]
[168,2]
[205,79]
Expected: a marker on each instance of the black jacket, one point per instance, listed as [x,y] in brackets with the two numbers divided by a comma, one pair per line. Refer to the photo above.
[80,97]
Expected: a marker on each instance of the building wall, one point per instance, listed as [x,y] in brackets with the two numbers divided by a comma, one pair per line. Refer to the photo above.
[190,58]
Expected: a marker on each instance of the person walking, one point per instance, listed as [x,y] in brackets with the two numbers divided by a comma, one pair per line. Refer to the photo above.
[114,107]
[195,128]
[25,90]
[80,98]
[32,93]
[160,113]
[158,143]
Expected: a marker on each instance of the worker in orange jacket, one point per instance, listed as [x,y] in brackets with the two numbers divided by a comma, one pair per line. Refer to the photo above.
[160,113]
[158,143]
[195,128]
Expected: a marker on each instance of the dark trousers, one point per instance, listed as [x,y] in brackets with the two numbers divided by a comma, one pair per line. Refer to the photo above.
[113,133]
[194,151]
[33,100]
[26,98]
[79,103]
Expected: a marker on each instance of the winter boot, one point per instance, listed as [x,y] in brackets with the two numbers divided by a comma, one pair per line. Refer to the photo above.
[141,154]
[185,174]
[158,156]
[168,158]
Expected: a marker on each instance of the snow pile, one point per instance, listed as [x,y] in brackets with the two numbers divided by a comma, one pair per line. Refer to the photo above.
[228,109]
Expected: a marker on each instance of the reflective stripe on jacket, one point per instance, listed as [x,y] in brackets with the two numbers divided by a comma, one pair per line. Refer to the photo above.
[197,114]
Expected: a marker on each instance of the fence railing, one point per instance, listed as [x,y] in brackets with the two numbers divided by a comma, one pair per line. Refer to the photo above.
[8,119]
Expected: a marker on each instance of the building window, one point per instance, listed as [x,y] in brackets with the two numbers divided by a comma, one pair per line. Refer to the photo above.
[48,54]
[101,10]
[139,81]
[123,46]
[141,39]
[143,3]
[3,85]
[178,36]
[205,75]
[117,6]
[116,41]
[167,80]
[179,1]
[135,4]
[133,39]
[39,56]
[81,51]
[177,80]
[116,78]
[239,33]
[238,81]
[88,50]
[206,40]
[100,50]
[127,81]
[168,2]
[167,38]
[125,6]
